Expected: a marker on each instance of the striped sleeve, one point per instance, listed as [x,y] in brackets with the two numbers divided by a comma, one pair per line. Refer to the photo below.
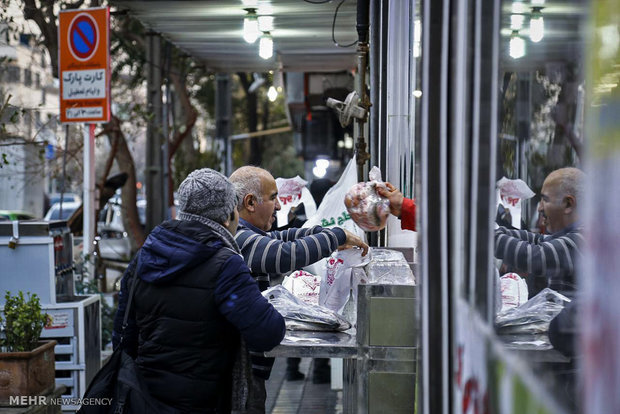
[538,255]
[272,254]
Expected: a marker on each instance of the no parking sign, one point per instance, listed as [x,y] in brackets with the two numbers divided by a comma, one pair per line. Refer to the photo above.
[84,65]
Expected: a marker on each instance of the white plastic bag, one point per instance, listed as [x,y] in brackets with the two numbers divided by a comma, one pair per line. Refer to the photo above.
[533,316]
[303,316]
[291,193]
[336,282]
[388,267]
[509,194]
[514,291]
[304,286]
[367,208]
[333,213]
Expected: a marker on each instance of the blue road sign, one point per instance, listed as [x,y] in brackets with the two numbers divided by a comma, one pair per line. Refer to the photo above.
[49,152]
[83,37]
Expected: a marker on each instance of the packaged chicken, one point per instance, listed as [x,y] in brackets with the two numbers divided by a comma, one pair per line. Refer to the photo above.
[367,208]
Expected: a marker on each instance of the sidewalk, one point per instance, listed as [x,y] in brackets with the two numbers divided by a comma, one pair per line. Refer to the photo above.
[300,397]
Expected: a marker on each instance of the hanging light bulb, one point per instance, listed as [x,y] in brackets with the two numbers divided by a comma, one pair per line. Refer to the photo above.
[272,93]
[265,23]
[537,25]
[518,8]
[516,21]
[265,47]
[250,26]
[516,46]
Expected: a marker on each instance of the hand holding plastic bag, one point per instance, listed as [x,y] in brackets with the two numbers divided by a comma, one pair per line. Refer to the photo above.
[302,316]
[368,209]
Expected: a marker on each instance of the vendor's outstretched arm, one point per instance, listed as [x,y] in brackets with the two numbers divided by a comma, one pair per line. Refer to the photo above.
[400,206]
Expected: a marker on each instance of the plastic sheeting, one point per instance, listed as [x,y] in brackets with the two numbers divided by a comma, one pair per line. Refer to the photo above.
[302,316]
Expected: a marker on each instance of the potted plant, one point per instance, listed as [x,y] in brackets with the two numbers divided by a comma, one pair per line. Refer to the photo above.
[26,363]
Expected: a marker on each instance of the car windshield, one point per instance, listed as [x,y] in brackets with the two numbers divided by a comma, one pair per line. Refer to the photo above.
[65,198]
[66,213]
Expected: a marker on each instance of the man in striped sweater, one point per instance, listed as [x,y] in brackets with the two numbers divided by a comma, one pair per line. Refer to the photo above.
[273,252]
[550,259]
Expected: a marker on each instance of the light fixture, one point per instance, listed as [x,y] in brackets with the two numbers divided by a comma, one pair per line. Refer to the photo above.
[265,47]
[538,3]
[417,93]
[516,21]
[322,163]
[250,26]
[417,38]
[320,167]
[518,8]
[319,172]
[516,45]
[537,25]
[272,93]
[265,23]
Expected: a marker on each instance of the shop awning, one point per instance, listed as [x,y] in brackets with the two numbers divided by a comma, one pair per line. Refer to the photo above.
[212,32]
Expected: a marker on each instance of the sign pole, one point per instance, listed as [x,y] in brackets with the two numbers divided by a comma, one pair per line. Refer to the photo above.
[88,215]
[84,72]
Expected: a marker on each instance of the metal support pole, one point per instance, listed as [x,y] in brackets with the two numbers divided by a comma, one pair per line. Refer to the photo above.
[361,155]
[223,111]
[64,170]
[166,132]
[88,211]
[153,174]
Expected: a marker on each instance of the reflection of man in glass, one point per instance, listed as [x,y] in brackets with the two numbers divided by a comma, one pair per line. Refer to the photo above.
[552,257]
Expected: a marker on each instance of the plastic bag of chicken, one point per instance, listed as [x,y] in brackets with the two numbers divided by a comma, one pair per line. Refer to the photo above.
[367,208]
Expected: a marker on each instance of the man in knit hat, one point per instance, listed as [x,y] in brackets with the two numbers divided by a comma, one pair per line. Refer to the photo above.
[196,306]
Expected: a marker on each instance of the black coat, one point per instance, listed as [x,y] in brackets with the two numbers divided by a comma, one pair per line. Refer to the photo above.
[193,300]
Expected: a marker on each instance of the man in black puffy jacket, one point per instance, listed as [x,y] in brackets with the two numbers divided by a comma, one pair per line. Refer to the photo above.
[196,307]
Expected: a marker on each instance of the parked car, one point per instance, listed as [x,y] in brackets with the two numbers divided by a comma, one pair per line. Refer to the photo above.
[68,208]
[15,215]
[70,197]
[114,240]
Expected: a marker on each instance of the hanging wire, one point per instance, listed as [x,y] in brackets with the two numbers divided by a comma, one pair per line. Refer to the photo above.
[334,28]
[317,2]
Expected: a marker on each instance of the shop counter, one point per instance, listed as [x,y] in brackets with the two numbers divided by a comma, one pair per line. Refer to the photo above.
[379,355]
[313,344]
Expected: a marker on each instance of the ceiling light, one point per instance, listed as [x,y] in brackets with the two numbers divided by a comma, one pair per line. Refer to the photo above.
[272,94]
[516,21]
[265,47]
[538,2]
[322,163]
[537,25]
[265,23]
[250,26]
[516,46]
[518,8]
[319,172]
[265,8]
[417,93]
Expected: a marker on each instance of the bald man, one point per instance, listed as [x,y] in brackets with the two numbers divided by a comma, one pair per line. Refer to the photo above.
[270,253]
[550,259]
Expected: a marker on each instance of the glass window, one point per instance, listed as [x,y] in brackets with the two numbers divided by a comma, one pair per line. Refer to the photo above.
[541,102]
[27,77]
[13,73]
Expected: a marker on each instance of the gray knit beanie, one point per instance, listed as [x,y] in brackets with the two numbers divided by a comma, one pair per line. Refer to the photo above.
[207,193]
